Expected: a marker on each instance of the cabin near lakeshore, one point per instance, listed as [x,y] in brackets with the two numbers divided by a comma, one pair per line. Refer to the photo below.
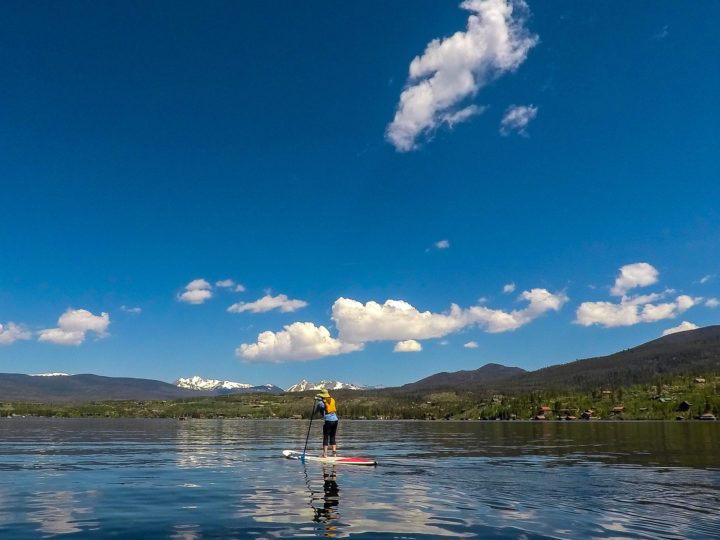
[684,406]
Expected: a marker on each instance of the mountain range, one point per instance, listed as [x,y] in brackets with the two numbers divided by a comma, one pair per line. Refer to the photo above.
[196,382]
[218,387]
[230,387]
[304,386]
[692,352]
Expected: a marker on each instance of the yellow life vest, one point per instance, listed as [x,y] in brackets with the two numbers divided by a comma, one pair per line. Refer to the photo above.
[329,405]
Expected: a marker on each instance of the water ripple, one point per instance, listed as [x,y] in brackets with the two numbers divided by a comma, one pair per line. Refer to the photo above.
[226,479]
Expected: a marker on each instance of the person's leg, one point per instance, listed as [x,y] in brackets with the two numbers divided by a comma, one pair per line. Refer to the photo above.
[333,431]
[326,437]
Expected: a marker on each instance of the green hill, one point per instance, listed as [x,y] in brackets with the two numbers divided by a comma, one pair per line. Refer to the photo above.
[694,352]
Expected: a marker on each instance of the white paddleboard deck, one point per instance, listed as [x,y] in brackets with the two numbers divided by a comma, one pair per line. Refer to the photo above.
[292,454]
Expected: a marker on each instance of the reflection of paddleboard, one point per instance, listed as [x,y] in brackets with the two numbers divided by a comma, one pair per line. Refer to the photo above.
[292,454]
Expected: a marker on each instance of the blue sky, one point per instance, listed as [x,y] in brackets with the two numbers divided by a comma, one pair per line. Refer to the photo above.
[549,169]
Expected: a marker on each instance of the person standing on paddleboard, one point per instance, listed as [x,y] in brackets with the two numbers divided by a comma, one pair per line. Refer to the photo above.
[326,405]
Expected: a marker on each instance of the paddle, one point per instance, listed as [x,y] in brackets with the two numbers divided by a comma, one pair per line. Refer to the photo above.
[302,458]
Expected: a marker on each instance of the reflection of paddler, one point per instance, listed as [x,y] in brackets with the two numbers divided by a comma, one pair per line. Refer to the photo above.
[332,491]
[327,514]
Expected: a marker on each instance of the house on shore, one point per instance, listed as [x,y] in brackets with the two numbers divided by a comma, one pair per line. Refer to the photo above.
[684,406]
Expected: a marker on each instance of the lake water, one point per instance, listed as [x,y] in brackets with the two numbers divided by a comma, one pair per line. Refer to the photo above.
[82,478]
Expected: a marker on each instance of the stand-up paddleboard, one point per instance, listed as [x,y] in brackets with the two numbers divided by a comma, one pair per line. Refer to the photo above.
[292,454]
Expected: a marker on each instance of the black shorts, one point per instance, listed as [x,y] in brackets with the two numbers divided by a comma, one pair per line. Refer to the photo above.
[329,431]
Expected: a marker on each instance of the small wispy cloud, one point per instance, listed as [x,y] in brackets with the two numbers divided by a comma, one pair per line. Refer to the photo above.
[707,278]
[409,345]
[133,310]
[471,345]
[510,287]
[230,284]
[516,119]
[267,303]
[440,244]
[712,302]
[11,332]
[196,292]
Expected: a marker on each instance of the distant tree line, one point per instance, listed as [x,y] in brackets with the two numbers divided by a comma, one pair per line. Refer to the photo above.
[668,396]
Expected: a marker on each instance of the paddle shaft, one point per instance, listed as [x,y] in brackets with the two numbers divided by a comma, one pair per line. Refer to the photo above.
[309,426]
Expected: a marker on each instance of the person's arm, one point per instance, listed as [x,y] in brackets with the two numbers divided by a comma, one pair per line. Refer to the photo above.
[320,405]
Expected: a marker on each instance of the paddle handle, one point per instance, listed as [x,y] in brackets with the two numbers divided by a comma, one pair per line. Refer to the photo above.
[308,432]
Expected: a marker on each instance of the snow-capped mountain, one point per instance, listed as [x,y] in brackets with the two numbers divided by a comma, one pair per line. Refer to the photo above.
[49,375]
[304,385]
[198,383]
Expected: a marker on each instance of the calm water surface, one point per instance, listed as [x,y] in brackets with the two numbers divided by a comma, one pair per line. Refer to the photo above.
[81,478]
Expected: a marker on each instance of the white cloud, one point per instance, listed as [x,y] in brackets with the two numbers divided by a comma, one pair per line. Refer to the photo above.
[72,326]
[454,69]
[712,302]
[135,310]
[642,299]
[396,320]
[634,309]
[496,321]
[442,244]
[409,345]
[444,342]
[628,313]
[61,337]
[12,332]
[230,284]
[607,314]
[707,278]
[196,296]
[510,287]
[634,275]
[471,345]
[197,285]
[298,341]
[196,292]
[682,327]
[516,118]
[267,303]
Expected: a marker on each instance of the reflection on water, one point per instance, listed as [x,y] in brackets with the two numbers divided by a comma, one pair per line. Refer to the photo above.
[325,504]
[227,479]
